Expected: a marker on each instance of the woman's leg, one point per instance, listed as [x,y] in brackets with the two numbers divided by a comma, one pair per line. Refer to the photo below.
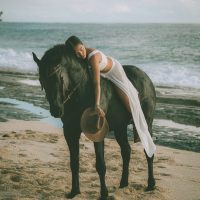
[125,101]
[124,98]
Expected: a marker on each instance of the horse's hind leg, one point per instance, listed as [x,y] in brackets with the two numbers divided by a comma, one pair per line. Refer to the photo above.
[151,180]
[101,167]
[121,137]
[148,107]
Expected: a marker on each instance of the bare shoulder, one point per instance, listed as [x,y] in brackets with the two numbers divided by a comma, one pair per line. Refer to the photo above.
[91,49]
[96,57]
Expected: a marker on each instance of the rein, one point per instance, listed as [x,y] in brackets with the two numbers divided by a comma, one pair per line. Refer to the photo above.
[58,69]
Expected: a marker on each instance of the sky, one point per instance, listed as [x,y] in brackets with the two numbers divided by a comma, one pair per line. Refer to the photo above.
[100,11]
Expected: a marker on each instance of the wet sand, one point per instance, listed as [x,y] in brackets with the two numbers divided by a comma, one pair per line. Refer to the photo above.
[35,165]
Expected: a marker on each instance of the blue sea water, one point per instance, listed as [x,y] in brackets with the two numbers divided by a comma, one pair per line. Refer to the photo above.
[168,53]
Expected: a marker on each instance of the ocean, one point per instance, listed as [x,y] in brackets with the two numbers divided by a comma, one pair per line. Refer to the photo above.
[168,53]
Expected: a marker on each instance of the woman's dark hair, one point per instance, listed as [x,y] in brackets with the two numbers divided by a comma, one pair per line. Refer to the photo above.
[71,42]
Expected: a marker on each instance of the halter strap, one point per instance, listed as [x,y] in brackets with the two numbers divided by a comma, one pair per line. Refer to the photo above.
[58,68]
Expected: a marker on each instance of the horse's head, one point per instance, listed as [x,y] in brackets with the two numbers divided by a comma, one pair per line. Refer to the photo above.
[60,74]
[53,77]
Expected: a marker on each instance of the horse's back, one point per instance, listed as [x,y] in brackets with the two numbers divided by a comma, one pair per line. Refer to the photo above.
[141,81]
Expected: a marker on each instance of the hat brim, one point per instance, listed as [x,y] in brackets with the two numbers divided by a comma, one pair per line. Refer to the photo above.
[93,134]
[99,135]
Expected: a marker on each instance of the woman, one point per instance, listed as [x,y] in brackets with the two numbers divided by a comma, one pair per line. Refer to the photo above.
[111,69]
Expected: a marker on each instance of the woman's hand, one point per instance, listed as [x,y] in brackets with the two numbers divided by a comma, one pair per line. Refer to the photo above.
[99,111]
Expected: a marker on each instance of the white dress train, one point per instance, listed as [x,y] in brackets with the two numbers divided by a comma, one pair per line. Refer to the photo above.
[118,76]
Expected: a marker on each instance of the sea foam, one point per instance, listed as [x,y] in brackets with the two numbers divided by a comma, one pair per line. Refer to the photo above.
[21,61]
[173,75]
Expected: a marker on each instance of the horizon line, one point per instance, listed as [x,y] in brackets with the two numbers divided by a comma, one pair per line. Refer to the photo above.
[89,22]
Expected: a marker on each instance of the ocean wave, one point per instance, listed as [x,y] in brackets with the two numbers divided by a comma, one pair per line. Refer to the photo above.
[30,82]
[21,61]
[162,74]
[173,75]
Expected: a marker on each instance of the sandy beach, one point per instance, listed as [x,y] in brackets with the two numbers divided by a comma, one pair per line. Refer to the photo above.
[34,157]
[35,165]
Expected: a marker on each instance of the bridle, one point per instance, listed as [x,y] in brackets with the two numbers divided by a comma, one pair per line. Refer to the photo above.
[58,69]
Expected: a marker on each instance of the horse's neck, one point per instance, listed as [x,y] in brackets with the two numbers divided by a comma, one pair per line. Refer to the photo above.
[86,89]
[80,76]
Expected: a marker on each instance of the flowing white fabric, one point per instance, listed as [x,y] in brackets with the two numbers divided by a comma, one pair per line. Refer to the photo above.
[118,76]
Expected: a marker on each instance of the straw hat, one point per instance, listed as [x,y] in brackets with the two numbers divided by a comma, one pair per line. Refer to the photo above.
[93,126]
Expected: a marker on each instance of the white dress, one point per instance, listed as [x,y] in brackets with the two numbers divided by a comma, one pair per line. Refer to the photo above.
[118,76]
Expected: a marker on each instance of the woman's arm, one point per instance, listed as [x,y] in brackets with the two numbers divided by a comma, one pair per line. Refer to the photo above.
[94,62]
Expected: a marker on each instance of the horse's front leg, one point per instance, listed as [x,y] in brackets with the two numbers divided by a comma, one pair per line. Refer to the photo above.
[122,139]
[73,144]
[101,168]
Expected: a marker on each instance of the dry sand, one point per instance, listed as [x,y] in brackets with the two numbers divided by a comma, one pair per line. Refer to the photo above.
[34,164]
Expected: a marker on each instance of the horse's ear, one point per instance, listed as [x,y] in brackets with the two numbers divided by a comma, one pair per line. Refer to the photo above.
[36,59]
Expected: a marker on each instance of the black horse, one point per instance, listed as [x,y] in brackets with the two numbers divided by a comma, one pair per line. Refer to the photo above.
[69,90]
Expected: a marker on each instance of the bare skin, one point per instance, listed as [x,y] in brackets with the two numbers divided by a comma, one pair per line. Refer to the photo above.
[82,52]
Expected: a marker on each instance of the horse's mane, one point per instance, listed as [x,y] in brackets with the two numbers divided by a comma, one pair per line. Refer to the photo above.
[53,55]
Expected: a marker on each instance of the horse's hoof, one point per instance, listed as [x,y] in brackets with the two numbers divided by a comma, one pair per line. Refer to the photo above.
[104,195]
[72,194]
[123,184]
[150,188]
[151,185]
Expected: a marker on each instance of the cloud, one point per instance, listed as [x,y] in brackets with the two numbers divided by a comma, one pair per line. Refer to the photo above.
[101,11]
